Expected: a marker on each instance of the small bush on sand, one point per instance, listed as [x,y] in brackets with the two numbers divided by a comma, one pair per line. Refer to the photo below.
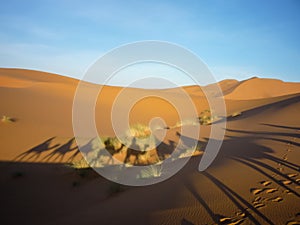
[187,122]
[7,119]
[81,167]
[151,171]
[139,131]
[140,137]
[206,117]
[111,142]
[80,164]
[198,149]
[235,114]
[187,153]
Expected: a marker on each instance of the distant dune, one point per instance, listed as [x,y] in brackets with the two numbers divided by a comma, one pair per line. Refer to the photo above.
[256,88]
[254,179]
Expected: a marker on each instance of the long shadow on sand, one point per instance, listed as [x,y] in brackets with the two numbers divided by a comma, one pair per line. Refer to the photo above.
[61,151]
[255,157]
[58,151]
[36,151]
[284,102]
[249,153]
[241,203]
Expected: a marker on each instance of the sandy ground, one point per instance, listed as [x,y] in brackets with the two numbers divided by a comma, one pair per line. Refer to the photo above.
[254,179]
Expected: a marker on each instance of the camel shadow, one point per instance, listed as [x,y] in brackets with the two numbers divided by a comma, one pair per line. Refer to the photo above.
[36,151]
[164,150]
[136,151]
[61,151]
[101,152]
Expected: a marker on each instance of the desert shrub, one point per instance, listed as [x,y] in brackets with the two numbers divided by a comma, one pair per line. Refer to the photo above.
[235,114]
[186,153]
[199,147]
[7,119]
[80,164]
[206,117]
[102,150]
[81,167]
[187,122]
[191,151]
[142,136]
[139,131]
[151,171]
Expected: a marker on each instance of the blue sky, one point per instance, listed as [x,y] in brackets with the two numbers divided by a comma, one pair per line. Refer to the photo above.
[236,39]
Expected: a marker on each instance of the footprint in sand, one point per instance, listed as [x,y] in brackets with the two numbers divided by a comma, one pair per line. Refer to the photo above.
[257,199]
[233,221]
[286,182]
[276,199]
[240,214]
[256,191]
[236,222]
[293,223]
[292,175]
[258,205]
[270,190]
[225,220]
[265,183]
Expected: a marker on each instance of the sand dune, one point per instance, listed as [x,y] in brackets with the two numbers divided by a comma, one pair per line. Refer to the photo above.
[254,179]
[43,103]
[256,88]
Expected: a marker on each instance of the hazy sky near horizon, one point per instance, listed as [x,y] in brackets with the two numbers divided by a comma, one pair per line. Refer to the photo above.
[236,39]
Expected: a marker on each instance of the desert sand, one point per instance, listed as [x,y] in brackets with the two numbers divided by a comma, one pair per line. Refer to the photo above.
[255,178]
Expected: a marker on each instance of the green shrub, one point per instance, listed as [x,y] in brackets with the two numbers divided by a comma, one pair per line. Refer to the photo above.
[80,164]
[139,131]
[206,117]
